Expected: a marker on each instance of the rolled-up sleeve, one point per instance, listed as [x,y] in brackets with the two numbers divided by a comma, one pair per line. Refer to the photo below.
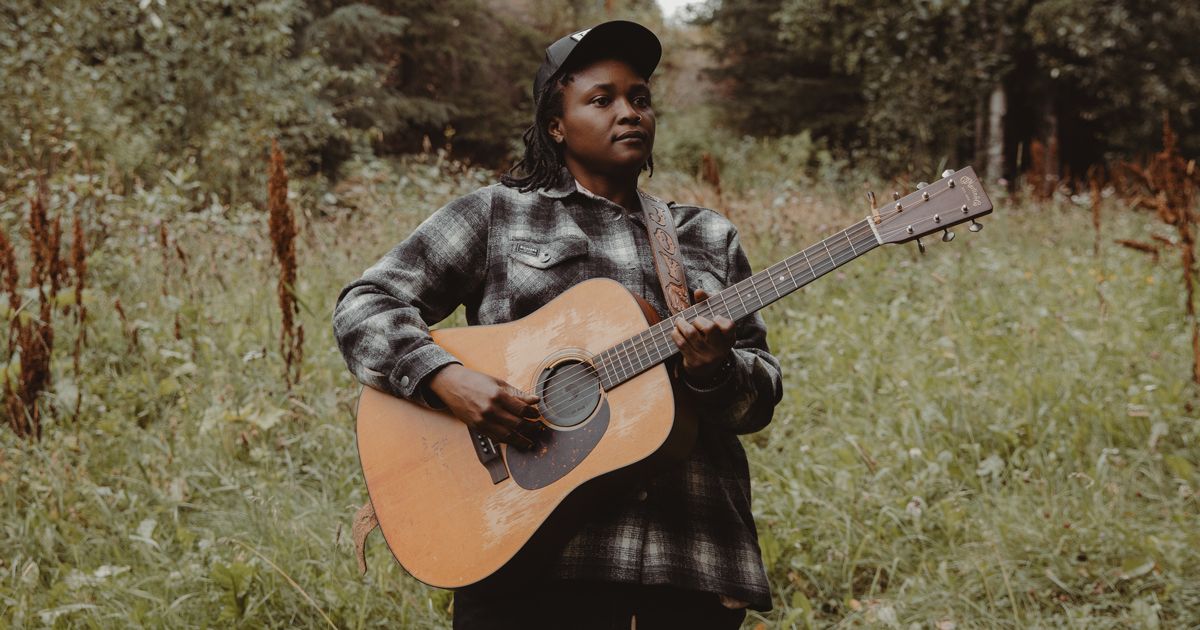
[381,321]
[744,401]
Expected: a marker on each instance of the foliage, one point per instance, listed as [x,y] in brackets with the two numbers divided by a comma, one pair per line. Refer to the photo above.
[140,87]
[412,71]
[1121,65]
[782,86]
[903,84]
[1024,457]
[1021,459]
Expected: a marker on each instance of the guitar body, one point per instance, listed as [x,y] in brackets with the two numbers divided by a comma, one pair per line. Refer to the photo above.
[443,516]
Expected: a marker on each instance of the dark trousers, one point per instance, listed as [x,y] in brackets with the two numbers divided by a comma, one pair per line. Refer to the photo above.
[592,606]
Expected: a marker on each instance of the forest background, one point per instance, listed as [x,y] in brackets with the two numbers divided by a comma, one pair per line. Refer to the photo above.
[181,450]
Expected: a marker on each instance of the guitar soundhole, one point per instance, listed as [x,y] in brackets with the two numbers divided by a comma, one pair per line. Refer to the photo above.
[570,392]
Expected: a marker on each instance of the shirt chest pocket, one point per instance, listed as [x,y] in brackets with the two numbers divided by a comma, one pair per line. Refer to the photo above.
[539,271]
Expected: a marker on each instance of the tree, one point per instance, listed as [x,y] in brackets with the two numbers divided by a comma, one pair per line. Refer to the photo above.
[947,80]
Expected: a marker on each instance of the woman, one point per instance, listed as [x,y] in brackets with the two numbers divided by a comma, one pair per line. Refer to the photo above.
[679,550]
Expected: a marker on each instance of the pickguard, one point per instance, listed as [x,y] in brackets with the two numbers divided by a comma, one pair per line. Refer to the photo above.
[556,452]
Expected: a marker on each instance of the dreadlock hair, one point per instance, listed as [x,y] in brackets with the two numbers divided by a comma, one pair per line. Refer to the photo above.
[543,161]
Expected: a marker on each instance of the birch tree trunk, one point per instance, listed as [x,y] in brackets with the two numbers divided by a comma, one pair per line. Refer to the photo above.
[997,108]
[980,156]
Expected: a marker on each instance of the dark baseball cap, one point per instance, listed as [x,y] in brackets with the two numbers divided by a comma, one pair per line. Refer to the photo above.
[620,39]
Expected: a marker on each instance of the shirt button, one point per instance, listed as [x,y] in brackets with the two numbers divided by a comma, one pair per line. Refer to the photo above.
[641,495]
[545,257]
[403,381]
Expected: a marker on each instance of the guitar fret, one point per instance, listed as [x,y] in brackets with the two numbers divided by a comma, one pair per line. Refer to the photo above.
[602,370]
[738,292]
[631,354]
[651,343]
[754,285]
[626,365]
[645,355]
[809,263]
[771,277]
[655,344]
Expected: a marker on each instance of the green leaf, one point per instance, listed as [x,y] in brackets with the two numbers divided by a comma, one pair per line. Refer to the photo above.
[1179,467]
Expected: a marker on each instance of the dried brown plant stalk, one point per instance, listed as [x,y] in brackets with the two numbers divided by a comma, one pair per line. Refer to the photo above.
[710,172]
[1096,185]
[164,249]
[282,225]
[11,278]
[1167,185]
[130,330]
[79,266]
[1145,248]
[33,341]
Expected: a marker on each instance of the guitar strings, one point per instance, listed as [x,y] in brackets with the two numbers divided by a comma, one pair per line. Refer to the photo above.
[658,334]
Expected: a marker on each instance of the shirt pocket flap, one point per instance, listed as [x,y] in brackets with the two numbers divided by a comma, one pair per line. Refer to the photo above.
[546,255]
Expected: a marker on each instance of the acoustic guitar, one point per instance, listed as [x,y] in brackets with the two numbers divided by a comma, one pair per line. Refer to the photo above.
[456,507]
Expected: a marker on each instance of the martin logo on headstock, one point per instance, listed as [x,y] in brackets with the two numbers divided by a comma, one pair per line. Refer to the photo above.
[968,183]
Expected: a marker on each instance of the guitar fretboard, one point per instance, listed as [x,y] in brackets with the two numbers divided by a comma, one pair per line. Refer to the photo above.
[654,345]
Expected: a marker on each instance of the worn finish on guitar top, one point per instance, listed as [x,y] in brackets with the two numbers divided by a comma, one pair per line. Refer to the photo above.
[440,513]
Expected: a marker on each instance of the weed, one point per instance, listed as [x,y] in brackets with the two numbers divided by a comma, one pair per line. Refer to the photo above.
[283,238]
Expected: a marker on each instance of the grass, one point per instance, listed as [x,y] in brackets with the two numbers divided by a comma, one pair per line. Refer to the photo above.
[998,434]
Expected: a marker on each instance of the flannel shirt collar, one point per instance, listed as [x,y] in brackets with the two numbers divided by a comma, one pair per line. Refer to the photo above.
[565,186]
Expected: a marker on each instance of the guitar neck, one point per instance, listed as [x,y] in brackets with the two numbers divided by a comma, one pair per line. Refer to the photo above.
[654,345]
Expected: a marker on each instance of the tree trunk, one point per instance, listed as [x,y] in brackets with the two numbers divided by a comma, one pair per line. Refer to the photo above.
[1050,169]
[980,132]
[997,108]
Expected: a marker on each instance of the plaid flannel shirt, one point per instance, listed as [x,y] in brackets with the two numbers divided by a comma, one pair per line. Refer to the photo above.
[503,254]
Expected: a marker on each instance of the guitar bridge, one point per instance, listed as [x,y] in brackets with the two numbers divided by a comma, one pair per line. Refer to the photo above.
[489,455]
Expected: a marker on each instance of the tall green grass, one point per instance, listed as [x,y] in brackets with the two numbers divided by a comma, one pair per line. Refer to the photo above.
[997,434]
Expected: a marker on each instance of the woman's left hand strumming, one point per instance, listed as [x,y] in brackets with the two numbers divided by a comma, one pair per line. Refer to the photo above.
[705,344]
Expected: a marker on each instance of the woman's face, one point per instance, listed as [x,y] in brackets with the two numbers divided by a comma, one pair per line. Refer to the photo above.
[607,126]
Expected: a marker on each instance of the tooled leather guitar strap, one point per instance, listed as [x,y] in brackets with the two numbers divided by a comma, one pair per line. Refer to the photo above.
[664,245]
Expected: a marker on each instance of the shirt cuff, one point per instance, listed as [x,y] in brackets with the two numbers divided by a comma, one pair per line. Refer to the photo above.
[414,367]
[716,390]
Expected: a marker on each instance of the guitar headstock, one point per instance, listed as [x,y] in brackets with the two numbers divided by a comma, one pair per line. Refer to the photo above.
[956,198]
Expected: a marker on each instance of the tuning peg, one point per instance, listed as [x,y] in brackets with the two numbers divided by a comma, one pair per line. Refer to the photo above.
[921,185]
[920,246]
[947,236]
[975,226]
[895,196]
[948,172]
